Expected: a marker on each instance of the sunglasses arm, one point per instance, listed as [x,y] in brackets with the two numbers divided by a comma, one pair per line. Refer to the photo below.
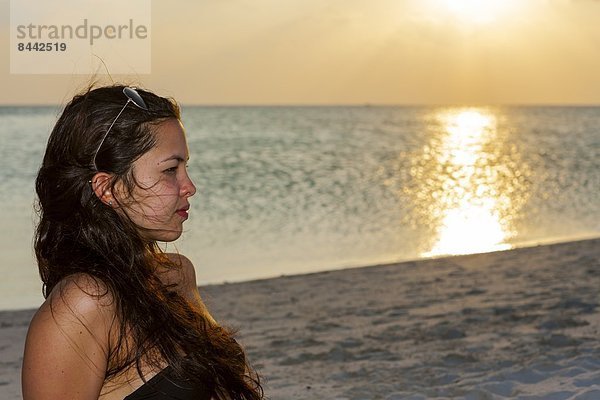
[109,128]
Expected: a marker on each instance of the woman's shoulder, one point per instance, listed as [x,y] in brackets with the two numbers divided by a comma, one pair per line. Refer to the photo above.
[185,276]
[78,300]
[82,290]
[186,282]
[180,259]
[69,336]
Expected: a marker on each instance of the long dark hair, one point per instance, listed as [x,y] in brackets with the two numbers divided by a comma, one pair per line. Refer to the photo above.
[77,234]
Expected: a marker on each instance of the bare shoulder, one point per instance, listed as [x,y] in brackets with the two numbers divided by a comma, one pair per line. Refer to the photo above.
[188,283]
[80,299]
[180,259]
[83,291]
[76,300]
[68,340]
[188,272]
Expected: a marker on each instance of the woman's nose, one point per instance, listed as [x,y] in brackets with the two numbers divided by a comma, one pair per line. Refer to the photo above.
[188,188]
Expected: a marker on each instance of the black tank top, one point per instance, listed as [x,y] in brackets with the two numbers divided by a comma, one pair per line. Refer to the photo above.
[163,386]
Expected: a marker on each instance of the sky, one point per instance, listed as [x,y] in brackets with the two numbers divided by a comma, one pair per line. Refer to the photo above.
[322,52]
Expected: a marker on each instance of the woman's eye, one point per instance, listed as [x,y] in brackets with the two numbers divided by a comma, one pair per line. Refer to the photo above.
[171,170]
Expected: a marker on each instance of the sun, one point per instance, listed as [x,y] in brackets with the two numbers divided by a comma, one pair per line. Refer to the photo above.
[477,11]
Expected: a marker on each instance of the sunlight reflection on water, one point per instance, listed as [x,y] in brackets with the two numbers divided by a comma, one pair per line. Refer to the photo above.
[470,193]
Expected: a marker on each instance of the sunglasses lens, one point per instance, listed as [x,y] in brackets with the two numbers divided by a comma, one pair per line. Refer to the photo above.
[135,98]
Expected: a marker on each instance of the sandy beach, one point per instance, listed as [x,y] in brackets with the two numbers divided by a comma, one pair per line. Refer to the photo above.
[521,324]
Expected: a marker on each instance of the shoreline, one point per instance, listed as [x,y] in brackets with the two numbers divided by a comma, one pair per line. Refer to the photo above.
[519,323]
[524,245]
[347,266]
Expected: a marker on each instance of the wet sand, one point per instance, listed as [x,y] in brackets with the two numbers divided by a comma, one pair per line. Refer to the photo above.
[522,324]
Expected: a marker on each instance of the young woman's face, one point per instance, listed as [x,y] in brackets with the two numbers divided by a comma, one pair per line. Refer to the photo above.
[161,202]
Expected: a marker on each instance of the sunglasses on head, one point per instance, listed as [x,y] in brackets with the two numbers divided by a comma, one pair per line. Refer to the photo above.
[132,96]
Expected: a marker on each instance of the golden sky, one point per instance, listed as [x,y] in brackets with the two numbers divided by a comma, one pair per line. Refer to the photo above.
[354,52]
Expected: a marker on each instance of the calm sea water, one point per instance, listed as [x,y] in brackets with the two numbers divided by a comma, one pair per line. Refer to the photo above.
[285,190]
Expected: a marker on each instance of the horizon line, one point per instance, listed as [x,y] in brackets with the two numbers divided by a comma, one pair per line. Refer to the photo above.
[365,105]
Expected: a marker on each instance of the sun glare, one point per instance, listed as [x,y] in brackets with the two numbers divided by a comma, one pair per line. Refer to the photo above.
[476,11]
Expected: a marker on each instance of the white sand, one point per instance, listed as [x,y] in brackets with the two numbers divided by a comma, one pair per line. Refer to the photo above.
[516,324]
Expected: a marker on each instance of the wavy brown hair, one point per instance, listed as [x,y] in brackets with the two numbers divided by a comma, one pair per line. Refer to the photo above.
[77,233]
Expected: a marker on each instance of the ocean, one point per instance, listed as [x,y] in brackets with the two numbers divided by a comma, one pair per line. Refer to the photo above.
[287,190]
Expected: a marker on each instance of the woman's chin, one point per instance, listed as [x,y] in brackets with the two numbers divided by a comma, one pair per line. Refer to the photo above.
[162,236]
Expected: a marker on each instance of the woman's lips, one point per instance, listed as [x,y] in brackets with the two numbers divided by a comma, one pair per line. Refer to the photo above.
[183,213]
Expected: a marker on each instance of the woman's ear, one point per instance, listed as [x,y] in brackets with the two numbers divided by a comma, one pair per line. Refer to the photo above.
[101,187]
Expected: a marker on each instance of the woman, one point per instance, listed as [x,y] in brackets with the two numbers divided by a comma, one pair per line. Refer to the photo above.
[122,319]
